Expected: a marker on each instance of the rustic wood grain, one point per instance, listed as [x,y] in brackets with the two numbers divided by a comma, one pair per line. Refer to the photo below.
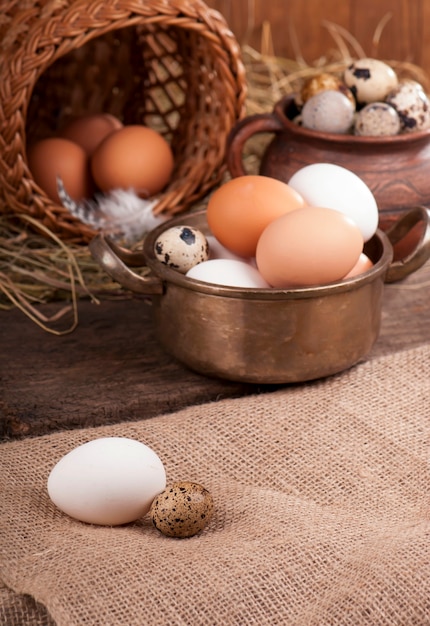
[299,27]
[112,369]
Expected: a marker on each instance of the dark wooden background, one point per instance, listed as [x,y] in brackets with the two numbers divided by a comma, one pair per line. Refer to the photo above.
[396,30]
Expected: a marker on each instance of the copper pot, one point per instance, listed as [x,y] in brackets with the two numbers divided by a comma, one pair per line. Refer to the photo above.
[396,168]
[265,335]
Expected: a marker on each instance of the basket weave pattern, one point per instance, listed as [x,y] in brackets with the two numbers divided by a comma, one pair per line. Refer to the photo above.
[172,65]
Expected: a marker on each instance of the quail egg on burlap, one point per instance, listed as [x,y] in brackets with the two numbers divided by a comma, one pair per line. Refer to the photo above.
[182,510]
[377,119]
[412,105]
[328,111]
[370,80]
[181,247]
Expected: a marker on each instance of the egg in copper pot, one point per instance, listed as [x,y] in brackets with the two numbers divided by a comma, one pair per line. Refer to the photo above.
[239,210]
[312,246]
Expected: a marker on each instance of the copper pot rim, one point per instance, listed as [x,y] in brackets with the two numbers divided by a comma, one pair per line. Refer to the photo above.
[168,275]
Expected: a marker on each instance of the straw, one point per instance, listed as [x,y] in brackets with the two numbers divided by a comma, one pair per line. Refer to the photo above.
[37,267]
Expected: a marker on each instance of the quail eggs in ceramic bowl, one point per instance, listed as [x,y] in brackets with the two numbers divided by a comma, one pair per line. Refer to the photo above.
[367,119]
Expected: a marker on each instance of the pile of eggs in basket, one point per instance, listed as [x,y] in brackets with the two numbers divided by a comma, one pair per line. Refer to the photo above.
[98,153]
[265,233]
[368,99]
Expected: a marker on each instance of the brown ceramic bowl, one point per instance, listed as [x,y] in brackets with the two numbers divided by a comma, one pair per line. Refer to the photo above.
[265,335]
[396,168]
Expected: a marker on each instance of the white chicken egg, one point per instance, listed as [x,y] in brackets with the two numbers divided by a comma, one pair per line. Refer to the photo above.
[335,187]
[107,481]
[218,251]
[229,273]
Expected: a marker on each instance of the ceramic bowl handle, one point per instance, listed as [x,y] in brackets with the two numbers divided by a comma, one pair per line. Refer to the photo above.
[420,254]
[116,262]
[244,130]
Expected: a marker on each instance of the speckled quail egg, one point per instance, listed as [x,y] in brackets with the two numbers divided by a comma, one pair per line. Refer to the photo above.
[181,247]
[370,80]
[328,111]
[323,82]
[377,119]
[412,105]
[182,510]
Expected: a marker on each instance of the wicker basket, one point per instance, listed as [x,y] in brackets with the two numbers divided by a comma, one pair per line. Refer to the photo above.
[172,65]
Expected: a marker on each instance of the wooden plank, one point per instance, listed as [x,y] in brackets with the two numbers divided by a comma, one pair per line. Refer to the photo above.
[388,29]
[424,56]
[112,369]
[392,29]
[298,28]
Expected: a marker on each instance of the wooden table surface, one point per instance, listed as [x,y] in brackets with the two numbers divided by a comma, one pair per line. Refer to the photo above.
[111,367]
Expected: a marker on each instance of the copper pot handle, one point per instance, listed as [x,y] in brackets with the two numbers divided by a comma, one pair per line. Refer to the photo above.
[244,130]
[116,262]
[420,254]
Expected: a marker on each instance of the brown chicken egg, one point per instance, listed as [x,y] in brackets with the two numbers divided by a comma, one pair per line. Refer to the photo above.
[313,246]
[54,157]
[363,264]
[133,157]
[239,210]
[89,130]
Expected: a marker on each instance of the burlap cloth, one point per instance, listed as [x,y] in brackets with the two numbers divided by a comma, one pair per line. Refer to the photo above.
[322,517]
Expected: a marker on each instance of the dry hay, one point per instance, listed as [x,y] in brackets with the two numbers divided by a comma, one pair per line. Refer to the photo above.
[37,267]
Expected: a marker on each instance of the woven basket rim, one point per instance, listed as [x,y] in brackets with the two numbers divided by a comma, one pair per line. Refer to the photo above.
[50,38]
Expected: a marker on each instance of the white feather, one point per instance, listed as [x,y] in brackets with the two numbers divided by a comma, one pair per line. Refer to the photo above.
[121,214]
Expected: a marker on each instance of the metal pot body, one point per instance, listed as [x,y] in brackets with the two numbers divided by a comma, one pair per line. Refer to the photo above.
[275,341]
[265,336]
